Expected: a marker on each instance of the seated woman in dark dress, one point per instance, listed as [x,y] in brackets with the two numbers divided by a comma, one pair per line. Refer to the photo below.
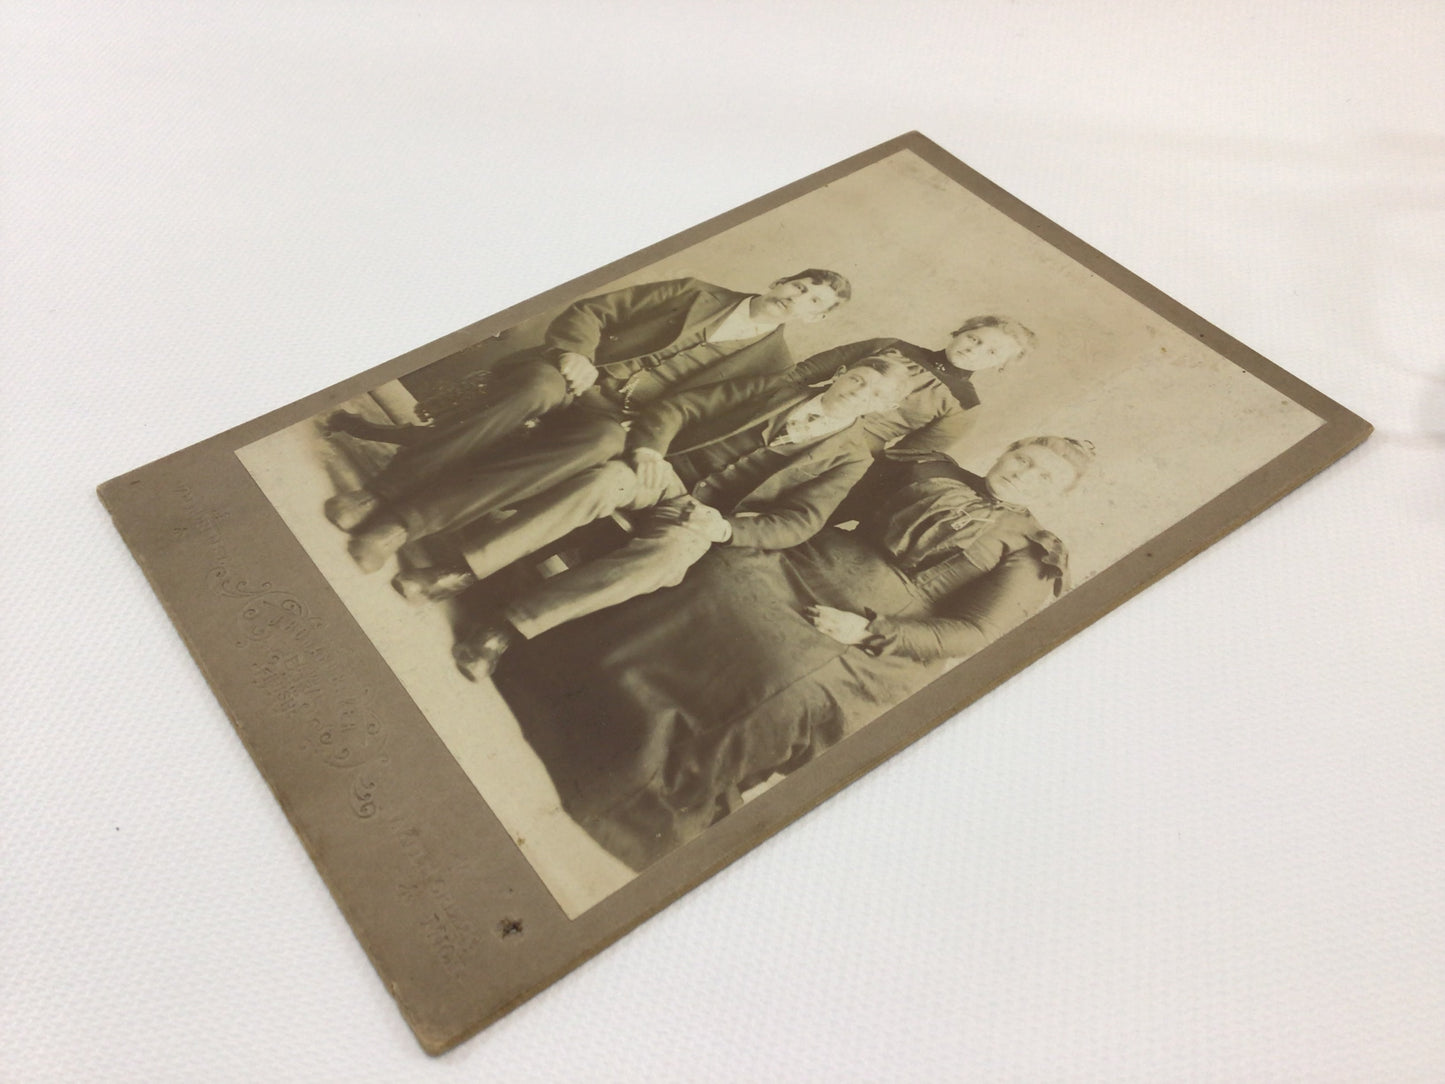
[654,716]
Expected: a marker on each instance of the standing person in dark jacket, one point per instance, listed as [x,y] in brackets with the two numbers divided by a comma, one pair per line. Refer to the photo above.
[932,417]
[604,358]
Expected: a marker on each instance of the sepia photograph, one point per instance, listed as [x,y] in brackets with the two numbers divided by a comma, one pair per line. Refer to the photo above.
[723,542]
[643,555]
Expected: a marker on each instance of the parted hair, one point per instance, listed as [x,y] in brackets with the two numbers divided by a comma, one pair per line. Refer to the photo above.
[1079,454]
[1010,327]
[819,277]
[895,372]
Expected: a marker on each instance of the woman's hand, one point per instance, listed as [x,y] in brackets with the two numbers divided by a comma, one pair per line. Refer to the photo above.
[842,626]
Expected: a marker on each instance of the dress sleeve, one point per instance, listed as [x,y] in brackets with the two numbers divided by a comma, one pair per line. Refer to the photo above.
[943,433]
[971,618]
[822,366]
[791,518]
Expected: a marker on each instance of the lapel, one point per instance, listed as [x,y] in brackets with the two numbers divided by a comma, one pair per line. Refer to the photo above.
[775,424]
[684,315]
[768,354]
[815,459]
[747,415]
[706,308]
[772,414]
[820,455]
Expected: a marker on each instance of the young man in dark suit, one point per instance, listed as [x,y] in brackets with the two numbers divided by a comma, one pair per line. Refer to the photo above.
[604,358]
[757,462]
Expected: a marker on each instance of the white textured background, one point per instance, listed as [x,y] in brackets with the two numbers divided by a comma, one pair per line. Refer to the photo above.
[1204,841]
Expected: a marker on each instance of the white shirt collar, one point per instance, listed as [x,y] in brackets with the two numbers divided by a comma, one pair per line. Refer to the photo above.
[806,423]
[738,325]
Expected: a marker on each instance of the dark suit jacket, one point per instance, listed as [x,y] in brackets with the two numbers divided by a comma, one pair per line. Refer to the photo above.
[639,327]
[700,431]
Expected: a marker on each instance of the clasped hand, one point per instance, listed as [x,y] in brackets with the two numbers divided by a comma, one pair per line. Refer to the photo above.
[696,516]
[578,371]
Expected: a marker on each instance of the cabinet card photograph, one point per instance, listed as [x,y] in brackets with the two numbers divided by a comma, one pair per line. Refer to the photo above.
[538,626]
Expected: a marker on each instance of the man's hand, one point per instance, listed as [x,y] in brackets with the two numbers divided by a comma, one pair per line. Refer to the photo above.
[578,371]
[842,626]
[709,522]
[697,517]
[651,470]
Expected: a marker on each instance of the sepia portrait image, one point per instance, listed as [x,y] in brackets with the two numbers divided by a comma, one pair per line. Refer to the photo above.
[652,553]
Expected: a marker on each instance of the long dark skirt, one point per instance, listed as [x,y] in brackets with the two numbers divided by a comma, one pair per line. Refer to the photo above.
[652,717]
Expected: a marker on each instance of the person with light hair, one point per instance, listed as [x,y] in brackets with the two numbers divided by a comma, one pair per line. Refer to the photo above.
[759,661]
[934,415]
[959,558]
